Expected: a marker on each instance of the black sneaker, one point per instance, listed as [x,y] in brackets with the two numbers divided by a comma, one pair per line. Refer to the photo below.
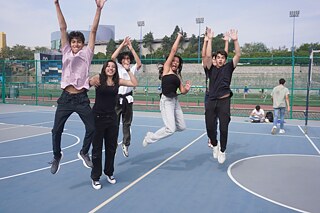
[55,164]
[85,159]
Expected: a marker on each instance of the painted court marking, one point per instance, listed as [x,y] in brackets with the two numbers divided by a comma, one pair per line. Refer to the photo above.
[145,175]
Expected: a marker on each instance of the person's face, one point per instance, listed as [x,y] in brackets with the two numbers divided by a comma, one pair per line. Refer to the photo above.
[220,60]
[175,64]
[126,62]
[76,45]
[110,69]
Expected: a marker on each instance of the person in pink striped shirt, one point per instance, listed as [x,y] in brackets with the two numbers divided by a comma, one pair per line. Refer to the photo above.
[76,61]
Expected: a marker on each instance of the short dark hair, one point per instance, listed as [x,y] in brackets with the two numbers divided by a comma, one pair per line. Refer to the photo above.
[124,54]
[258,108]
[282,81]
[222,52]
[76,35]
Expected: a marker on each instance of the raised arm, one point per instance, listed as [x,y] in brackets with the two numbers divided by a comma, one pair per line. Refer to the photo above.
[135,55]
[204,49]
[226,38]
[174,49]
[133,82]
[62,24]
[94,28]
[234,37]
[208,53]
[117,51]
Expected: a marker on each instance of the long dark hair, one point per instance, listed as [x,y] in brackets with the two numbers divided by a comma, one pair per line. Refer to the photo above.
[103,76]
[160,67]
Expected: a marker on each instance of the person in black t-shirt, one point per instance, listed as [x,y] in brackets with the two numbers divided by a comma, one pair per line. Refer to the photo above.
[218,103]
[105,117]
[204,48]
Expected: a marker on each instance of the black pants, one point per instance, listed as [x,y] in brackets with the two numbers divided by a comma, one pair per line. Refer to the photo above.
[68,104]
[126,121]
[218,109]
[106,131]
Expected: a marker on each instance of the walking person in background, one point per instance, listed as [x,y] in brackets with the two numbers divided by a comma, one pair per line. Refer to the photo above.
[218,104]
[105,117]
[170,108]
[280,100]
[124,104]
[214,63]
[76,60]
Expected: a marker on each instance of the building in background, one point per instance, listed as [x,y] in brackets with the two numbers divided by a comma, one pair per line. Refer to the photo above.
[3,40]
[104,34]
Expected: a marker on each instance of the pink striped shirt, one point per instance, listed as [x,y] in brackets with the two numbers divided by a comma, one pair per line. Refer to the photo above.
[75,67]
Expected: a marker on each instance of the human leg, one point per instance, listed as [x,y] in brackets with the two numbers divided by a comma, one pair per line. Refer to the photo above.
[224,116]
[126,124]
[167,106]
[276,112]
[97,144]
[282,113]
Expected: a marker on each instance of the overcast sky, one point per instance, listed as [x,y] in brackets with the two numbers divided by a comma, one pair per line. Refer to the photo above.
[30,22]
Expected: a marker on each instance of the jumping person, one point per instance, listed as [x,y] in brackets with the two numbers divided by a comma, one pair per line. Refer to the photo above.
[218,104]
[170,108]
[124,104]
[76,59]
[105,118]
[204,48]
[280,100]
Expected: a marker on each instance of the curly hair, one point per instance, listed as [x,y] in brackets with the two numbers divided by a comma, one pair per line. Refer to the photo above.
[76,35]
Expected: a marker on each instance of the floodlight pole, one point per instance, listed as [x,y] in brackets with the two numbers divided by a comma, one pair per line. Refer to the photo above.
[199,21]
[293,14]
[140,24]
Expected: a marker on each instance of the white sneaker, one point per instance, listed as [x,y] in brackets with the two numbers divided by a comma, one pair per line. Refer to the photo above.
[221,157]
[144,142]
[96,184]
[281,131]
[274,130]
[209,144]
[111,179]
[215,151]
[125,150]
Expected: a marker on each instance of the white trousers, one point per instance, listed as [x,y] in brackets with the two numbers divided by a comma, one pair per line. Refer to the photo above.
[172,117]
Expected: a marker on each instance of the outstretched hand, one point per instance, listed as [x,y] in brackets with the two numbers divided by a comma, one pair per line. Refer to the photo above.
[226,36]
[210,33]
[233,34]
[100,3]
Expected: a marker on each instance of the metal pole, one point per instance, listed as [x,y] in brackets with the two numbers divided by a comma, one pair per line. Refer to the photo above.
[308,92]
[140,24]
[293,14]
[199,21]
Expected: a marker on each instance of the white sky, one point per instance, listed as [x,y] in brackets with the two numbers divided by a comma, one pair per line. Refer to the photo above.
[30,22]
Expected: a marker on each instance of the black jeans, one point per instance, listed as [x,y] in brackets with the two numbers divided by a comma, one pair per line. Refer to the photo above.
[126,121]
[106,131]
[68,104]
[218,109]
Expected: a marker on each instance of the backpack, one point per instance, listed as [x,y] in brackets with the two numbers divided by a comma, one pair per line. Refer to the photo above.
[269,116]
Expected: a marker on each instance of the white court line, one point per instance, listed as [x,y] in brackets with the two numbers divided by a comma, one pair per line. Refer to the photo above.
[143,176]
[309,139]
[41,153]
[256,194]
[36,170]
[5,141]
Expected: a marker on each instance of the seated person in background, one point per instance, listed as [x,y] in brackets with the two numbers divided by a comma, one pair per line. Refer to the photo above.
[257,115]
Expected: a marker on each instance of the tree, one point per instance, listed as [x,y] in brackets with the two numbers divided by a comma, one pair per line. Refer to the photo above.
[249,48]
[99,55]
[148,41]
[111,47]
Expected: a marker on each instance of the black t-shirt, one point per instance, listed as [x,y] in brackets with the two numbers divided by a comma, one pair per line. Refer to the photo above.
[106,98]
[170,83]
[220,80]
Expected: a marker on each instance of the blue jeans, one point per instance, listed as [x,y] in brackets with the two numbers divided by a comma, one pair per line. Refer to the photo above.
[279,112]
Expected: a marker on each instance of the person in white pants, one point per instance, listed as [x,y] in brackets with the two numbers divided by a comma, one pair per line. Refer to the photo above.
[170,108]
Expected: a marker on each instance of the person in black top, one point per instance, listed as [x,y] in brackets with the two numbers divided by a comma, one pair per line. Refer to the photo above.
[204,48]
[218,103]
[105,117]
[171,111]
